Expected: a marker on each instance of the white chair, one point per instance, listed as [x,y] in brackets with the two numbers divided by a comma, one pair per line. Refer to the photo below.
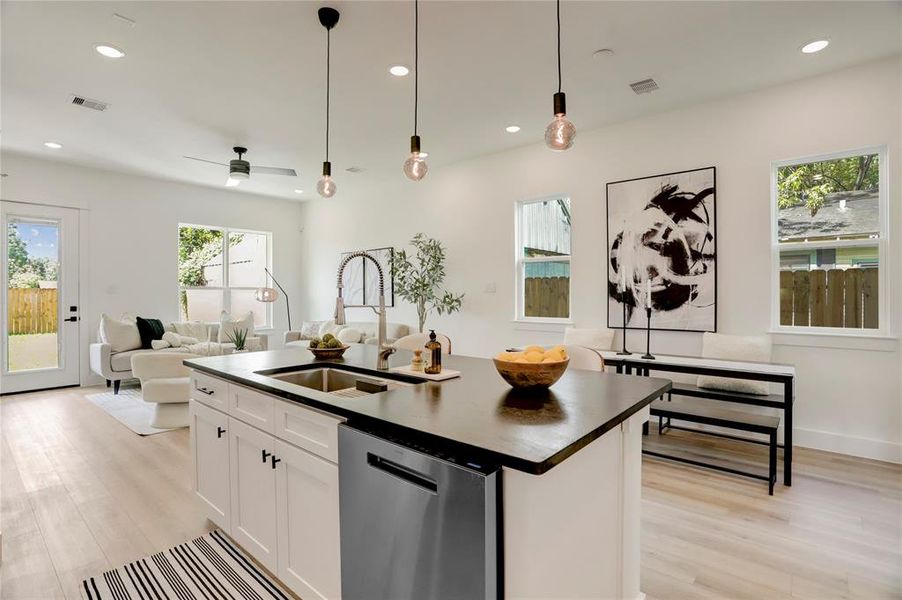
[165,381]
[417,341]
[600,339]
[584,358]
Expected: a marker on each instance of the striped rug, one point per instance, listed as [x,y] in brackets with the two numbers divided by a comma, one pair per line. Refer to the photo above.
[210,567]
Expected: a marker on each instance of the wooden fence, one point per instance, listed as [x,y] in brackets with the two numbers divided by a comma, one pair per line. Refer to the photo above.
[830,298]
[31,310]
[547,297]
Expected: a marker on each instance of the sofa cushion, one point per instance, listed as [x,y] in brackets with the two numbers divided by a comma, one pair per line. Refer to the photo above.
[753,348]
[121,334]
[194,329]
[149,330]
[121,362]
[330,327]
[349,335]
[228,325]
[310,329]
[298,344]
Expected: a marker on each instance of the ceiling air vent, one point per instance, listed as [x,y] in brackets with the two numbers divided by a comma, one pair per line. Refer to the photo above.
[354,170]
[645,86]
[88,103]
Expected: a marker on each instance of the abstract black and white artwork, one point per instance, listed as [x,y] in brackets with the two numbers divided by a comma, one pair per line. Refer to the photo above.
[361,279]
[661,236]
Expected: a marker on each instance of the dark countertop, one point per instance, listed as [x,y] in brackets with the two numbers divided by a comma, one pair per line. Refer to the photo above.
[476,413]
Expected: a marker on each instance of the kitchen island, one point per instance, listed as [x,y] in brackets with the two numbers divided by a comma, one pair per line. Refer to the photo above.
[570,461]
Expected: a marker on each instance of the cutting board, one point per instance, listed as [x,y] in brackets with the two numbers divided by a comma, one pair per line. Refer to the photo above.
[445,374]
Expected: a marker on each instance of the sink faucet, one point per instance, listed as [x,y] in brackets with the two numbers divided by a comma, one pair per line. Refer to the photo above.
[384,349]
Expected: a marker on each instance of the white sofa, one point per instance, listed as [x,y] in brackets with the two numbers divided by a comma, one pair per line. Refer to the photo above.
[366,330]
[116,367]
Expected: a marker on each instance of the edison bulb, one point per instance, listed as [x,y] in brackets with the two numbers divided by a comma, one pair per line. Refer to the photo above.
[326,186]
[415,166]
[560,133]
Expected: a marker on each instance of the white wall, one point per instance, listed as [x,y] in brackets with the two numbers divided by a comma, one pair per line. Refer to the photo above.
[848,392]
[129,236]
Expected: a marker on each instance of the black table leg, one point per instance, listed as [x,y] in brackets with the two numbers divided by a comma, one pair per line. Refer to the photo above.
[787,431]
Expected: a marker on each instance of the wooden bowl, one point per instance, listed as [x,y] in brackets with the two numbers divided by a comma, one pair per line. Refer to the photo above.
[531,375]
[329,352]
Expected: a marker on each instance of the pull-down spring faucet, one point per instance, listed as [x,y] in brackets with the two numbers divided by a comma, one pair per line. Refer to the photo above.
[384,350]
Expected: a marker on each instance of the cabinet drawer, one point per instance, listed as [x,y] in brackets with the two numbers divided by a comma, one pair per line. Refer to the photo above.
[252,407]
[307,428]
[210,390]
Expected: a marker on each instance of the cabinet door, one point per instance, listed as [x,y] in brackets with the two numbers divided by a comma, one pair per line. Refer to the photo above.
[210,461]
[253,483]
[307,501]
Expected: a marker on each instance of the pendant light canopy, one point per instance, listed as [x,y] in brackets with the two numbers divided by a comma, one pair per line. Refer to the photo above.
[560,133]
[328,17]
[415,166]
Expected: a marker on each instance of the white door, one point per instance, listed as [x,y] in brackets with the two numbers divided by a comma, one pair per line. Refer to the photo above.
[253,483]
[40,339]
[210,454]
[307,508]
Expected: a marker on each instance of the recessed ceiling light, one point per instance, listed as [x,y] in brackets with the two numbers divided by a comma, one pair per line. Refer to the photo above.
[603,53]
[815,46]
[109,51]
[399,70]
[512,128]
[54,145]
[299,191]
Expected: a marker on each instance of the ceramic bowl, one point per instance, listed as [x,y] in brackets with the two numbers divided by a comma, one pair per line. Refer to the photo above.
[531,375]
[329,352]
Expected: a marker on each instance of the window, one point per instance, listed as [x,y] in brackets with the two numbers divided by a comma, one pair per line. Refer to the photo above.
[543,260]
[830,243]
[220,269]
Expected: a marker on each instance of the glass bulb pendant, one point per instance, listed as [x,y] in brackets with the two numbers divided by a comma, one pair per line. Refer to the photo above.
[415,166]
[560,133]
[326,185]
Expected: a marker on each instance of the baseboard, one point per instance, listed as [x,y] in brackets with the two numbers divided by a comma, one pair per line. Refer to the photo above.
[848,444]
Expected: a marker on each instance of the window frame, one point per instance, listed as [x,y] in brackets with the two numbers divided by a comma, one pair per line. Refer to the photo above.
[882,243]
[521,261]
[225,288]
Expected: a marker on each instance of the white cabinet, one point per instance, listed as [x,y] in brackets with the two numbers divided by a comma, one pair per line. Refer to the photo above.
[307,428]
[253,481]
[210,453]
[251,407]
[309,559]
[211,391]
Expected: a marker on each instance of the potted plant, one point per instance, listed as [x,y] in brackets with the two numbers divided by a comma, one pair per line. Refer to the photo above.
[239,338]
[418,279]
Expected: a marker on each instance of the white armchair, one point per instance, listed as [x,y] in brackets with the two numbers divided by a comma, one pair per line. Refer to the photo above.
[417,341]
[165,381]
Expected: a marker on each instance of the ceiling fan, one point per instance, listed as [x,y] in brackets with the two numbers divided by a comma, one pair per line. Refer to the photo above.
[241,169]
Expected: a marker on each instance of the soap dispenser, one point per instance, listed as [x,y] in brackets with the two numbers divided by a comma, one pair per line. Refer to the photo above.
[435,354]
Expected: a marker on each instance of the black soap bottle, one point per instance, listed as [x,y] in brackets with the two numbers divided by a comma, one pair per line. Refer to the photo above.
[435,354]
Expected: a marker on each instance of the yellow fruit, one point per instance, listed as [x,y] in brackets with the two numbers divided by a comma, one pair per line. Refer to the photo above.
[505,356]
[529,349]
[560,349]
[551,359]
[553,356]
[520,360]
[535,357]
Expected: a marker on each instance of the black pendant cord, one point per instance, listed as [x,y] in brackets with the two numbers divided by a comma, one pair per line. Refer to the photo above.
[558,46]
[416,62]
[328,77]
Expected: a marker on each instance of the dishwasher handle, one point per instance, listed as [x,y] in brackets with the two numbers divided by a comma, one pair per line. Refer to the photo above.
[401,472]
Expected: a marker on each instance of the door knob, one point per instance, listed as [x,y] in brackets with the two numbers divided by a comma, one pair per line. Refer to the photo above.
[275,460]
[219,432]
[265,454]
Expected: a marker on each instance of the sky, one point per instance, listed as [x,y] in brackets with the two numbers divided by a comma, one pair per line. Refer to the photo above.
[41,240]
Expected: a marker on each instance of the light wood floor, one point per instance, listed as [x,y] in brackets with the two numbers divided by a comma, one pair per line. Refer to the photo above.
[82,494]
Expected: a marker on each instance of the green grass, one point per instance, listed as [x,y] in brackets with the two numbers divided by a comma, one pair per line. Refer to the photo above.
[33,351]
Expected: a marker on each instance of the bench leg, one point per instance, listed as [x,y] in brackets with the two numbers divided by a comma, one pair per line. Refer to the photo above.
[108,383]
[772,466]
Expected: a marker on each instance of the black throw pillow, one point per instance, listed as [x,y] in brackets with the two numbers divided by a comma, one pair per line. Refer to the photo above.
[149,330]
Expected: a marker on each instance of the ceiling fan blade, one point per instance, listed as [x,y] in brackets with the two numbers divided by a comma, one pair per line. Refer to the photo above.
[207,161]
[273,171]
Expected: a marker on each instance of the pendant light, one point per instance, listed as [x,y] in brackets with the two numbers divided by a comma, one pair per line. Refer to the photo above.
[560,133]
[328,17]
[415,166]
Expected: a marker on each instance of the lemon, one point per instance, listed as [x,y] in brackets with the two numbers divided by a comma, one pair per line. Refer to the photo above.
[520,360]
[529,349]
[535,357]
[505,356]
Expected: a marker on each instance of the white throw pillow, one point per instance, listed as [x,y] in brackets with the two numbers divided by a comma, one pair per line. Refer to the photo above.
[310,329]
[598,339]
[330,327]
[160,344]
[349,335]
[229,325]
[121,334]
[754,348]
[194,329]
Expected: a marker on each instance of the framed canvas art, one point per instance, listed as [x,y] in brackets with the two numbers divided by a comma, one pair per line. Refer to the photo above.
[661,235]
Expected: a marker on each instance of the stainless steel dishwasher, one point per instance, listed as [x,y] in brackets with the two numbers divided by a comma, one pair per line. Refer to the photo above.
[415,525]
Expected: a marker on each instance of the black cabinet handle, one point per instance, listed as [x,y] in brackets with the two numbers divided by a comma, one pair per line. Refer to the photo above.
[275,460]
[265,455]
[219,432]
[204,390]
[72,319]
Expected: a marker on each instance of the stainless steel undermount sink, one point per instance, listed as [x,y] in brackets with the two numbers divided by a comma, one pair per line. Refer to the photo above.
[337,381]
